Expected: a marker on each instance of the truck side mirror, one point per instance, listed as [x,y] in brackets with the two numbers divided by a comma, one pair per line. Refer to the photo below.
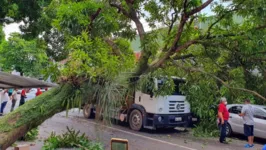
[119,144]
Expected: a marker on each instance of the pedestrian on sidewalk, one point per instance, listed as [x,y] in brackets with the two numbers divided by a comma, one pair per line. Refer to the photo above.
[4,100]
[223,115]
[22,97]
[10,91]
[39,92]
[14,97]
[247,113]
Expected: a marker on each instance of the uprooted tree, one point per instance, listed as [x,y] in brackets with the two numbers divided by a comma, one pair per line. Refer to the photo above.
[221,54]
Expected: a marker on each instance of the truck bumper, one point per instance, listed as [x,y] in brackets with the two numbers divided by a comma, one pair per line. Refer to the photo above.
[174,120]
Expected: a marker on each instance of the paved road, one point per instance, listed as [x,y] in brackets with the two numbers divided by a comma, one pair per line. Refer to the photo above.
[145,140]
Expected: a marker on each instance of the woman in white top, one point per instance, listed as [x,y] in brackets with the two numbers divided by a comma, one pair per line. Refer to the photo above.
[4,99]
[14,99]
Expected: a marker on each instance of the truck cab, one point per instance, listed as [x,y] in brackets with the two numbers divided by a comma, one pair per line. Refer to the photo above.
[150,111]
[154,112]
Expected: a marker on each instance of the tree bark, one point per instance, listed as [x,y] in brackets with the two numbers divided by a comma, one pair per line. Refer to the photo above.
[33,113]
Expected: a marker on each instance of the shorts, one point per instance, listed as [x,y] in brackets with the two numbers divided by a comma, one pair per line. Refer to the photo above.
[248,130]
[9,94]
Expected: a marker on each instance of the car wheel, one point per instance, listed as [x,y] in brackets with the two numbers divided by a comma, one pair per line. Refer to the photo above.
[88,111]
[228,130]
[135,120]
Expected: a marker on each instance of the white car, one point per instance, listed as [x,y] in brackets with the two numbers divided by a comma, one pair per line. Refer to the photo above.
[235,122]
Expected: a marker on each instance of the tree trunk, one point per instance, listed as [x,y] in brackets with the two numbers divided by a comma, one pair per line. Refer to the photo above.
[33,113]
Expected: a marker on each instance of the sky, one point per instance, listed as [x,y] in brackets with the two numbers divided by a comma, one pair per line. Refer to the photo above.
[14,27]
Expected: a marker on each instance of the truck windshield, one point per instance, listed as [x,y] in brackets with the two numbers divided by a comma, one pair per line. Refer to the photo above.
[177,82]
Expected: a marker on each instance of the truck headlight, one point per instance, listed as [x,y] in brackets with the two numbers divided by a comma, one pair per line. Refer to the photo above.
[160,118]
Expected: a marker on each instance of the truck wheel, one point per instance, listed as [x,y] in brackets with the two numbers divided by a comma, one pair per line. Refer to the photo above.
[88,111]
[135,120]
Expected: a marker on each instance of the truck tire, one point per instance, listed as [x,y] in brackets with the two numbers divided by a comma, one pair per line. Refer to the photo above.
[135,120]
[88,111]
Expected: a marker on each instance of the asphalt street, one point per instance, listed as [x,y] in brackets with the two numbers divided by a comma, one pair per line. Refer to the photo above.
[144,140]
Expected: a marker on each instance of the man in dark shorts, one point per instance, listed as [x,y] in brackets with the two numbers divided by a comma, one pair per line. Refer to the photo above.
[247,113]
[223,115]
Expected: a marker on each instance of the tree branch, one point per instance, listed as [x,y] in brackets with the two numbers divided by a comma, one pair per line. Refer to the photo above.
[111,43]
[198,9]
[175,48]
[238,34]
[220,80]
[183,57]
[120,9]
[166,56]
[92,18]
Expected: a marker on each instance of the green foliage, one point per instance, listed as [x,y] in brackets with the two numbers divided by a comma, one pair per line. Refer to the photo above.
[52,71]
[2,34]
[24,56]
[91,58]
[70,139]
[31,135]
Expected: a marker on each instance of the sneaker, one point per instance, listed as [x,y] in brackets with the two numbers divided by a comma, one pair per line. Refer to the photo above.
[249,146]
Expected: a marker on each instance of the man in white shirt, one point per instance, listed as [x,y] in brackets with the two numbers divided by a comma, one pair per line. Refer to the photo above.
[248,118]
[14,99]
[4,98]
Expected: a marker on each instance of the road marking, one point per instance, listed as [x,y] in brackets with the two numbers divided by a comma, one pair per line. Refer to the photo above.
[146,137]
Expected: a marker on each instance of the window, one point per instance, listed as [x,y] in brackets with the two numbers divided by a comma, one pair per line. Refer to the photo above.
[148,87]
[235,109]
[164,83]
[177,87]
[259,114]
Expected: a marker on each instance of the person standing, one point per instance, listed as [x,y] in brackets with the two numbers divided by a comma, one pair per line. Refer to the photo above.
[14,97]
[22,97]
[10,91]
[247,113]
[223,115]
[39,92]
[4,99]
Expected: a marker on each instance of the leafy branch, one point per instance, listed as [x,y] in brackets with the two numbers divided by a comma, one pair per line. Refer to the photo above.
[192,69]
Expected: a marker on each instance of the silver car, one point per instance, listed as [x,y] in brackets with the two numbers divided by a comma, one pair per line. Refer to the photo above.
[235,122]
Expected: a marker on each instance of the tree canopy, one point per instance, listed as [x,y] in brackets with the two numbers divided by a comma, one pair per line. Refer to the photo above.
[27,57]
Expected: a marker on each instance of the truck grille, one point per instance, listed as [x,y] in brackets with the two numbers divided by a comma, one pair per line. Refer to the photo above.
[176,106]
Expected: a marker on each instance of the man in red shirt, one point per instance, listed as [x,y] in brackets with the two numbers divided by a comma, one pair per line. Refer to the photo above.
[39,92]
[22,97]
[223,115]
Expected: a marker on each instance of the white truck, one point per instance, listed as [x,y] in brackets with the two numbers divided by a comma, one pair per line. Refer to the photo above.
[148,111]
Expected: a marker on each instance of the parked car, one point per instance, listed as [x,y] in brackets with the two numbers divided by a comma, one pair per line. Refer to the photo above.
[235,123]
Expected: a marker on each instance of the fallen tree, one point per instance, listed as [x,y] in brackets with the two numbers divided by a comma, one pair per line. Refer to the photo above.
[34,112]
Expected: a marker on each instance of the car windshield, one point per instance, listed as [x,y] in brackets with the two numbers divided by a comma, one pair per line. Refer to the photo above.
[265,108]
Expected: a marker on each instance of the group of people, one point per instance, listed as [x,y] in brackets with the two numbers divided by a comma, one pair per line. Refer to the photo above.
[247,113]
[12,94]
